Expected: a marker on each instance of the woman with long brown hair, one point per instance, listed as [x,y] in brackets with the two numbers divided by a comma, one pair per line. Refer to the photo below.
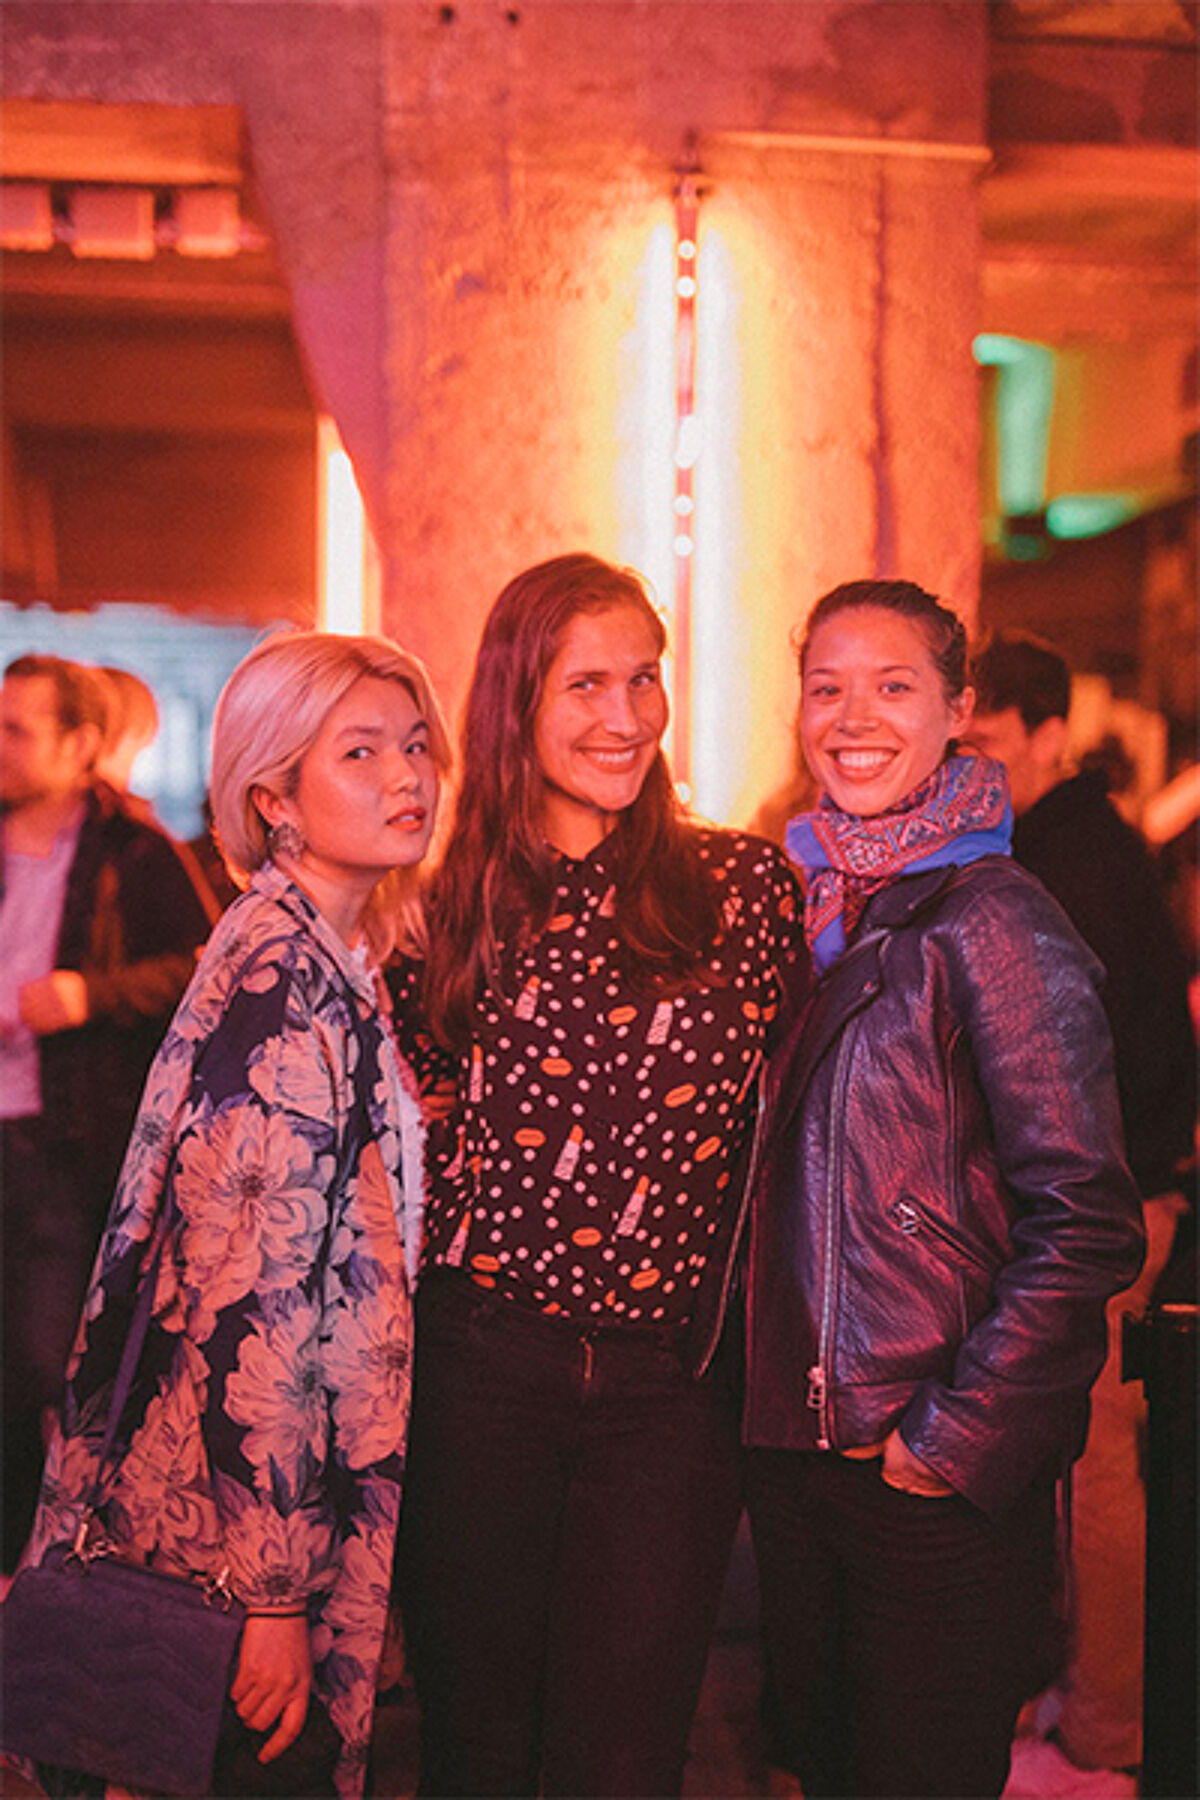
[608,974]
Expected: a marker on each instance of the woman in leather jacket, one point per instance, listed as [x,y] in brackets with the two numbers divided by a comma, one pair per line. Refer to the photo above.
[940,1209]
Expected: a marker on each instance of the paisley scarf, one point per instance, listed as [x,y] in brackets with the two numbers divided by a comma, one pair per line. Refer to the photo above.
[958,814]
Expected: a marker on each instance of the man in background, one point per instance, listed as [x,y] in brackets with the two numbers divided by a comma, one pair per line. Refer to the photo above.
[99,924]
[1068,833]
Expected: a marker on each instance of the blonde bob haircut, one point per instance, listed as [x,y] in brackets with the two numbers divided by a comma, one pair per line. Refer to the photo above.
[268,717]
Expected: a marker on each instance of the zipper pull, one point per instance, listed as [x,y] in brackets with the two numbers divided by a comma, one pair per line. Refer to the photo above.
[818,1399]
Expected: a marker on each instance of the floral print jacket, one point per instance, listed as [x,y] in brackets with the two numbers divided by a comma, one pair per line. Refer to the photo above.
[267,1438]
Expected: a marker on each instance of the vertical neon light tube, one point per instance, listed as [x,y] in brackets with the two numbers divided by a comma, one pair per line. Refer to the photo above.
[645,467]
[347,560]
[687,449]
[722,675]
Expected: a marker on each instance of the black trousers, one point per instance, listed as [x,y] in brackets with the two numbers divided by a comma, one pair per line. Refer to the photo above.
[53,1213]
[569,1510]
[901,1634]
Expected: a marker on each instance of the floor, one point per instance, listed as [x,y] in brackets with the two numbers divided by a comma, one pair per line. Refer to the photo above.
[726,1760]
[726,1757]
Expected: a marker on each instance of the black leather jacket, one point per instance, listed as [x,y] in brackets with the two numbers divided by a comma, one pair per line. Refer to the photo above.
[940,1206]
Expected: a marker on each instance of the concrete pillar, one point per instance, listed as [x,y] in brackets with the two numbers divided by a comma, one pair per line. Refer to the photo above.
[472,203]
[530,154]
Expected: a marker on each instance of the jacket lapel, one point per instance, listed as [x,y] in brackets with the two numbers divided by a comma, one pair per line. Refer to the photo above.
[847,989]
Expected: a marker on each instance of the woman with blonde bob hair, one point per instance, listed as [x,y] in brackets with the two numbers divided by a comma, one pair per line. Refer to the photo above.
[262,742]
[280,1140]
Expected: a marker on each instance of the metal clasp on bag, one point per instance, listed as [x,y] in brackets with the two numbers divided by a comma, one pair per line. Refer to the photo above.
[217,1590]
[84,1548]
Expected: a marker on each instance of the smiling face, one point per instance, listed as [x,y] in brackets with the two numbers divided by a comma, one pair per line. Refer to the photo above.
[875,715]
[598,724]
[367,792]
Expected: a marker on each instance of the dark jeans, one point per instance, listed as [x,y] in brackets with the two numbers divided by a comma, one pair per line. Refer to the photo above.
[569,1509]
[52,1217]
[900,1633]
[304,1771]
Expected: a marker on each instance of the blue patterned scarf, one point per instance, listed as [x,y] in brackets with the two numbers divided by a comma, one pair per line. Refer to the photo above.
[960,813]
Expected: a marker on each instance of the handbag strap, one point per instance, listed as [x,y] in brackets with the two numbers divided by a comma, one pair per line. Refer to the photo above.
[135,1337]
[131,1353]
[140,1323]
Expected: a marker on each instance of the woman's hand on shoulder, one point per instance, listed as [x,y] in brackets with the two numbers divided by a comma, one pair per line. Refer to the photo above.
[903,1470]
[273,1681]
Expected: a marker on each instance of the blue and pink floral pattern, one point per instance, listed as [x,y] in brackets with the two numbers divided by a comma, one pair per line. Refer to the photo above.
[268,1432]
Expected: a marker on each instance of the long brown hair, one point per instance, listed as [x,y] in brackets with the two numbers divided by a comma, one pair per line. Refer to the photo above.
[497,879]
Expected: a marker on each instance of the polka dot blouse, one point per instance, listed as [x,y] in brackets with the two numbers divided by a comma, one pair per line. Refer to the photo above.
[598,1128]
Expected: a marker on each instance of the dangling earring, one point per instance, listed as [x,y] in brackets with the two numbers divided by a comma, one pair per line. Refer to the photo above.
[285,839]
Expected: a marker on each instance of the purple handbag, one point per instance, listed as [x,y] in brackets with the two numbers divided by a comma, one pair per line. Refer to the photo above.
[116,1671]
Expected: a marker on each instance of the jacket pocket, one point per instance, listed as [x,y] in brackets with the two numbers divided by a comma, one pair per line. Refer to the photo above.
[915,1218]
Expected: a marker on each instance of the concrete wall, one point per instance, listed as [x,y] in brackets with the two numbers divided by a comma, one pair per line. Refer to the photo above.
[471,204]
[530,154]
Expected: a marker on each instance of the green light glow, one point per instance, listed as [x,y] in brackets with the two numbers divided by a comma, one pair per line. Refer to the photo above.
[1024,399]
[1087,515]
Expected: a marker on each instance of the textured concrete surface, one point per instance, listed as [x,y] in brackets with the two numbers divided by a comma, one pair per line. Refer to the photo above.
[464,198]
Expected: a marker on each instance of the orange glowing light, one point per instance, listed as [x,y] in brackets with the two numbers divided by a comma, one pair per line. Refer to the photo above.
[648,424]
[348,569]
[751,524]
[646,429]
[687,449]
[721,678]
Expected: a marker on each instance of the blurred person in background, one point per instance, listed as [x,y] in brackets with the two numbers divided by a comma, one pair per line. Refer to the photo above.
[1068,833]
[100,921]
[132,725]
[1096,865]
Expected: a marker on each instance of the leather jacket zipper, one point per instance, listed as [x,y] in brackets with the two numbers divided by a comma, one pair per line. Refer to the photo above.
[818,1373]
[913,1216]
[815,1396]
[739,1225]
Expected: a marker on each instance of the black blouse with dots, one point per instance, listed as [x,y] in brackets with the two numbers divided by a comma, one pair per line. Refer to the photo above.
[597,1128]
